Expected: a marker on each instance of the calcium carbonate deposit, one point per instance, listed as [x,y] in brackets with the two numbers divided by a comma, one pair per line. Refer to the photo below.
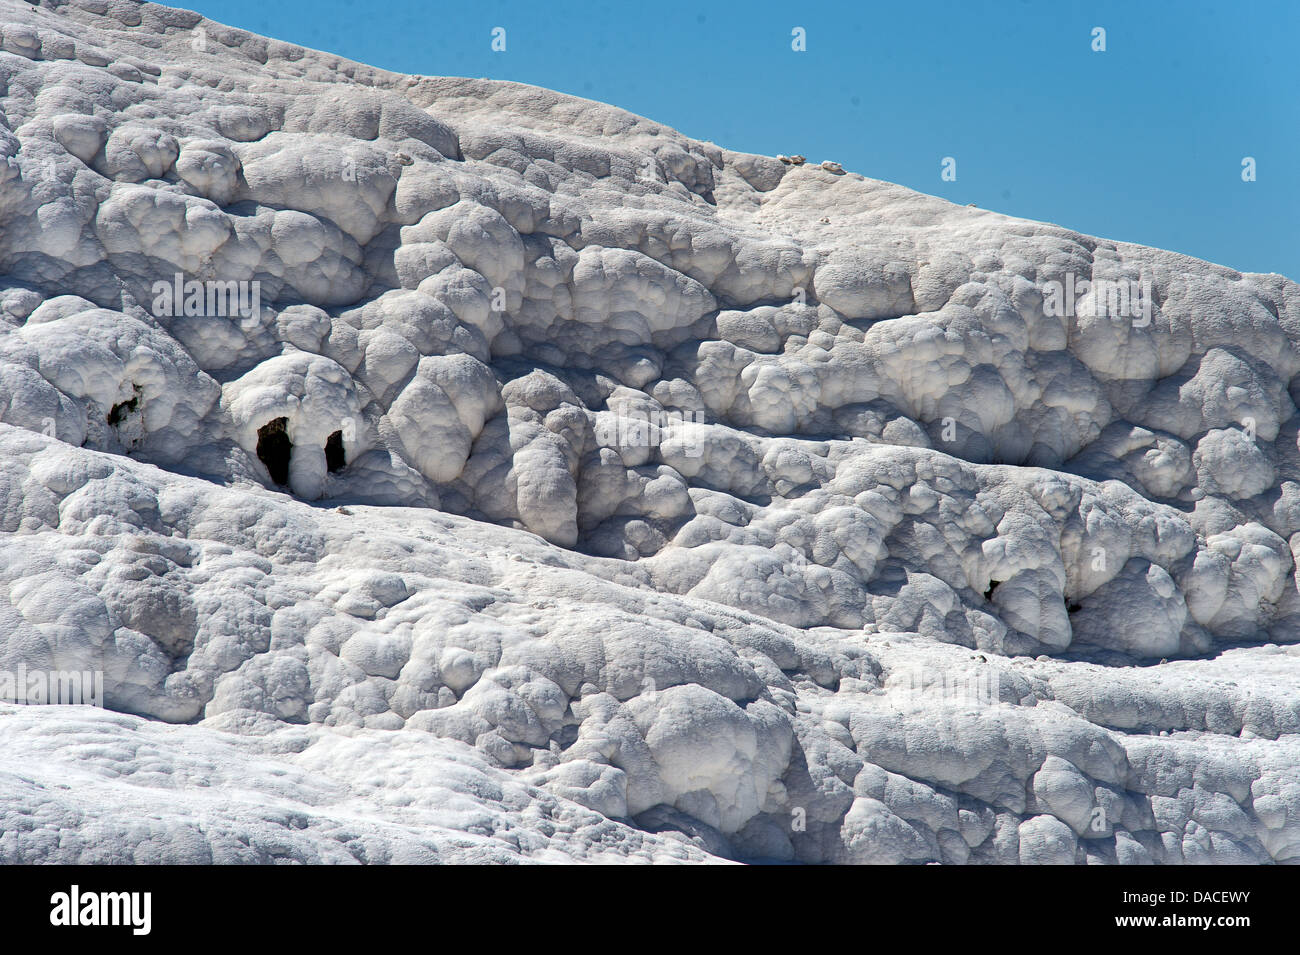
[452,470]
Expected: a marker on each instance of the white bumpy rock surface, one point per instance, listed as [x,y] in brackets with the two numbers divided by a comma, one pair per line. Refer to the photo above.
[640,500]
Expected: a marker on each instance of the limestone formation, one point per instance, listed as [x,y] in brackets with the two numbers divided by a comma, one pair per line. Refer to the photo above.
[460,471]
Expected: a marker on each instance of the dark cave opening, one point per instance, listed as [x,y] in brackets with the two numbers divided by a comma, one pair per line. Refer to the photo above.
[122,409]
[335,459]
[273,449]
[993,585]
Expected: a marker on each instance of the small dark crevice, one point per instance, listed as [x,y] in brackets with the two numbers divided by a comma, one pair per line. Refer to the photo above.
[273,449]
[993,585]
[122,409]
[566,736]
[1073,608]
[335,459]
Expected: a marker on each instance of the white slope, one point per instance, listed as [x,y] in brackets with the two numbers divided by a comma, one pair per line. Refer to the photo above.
[637,499]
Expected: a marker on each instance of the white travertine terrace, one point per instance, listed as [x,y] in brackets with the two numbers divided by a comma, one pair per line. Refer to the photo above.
[640,499]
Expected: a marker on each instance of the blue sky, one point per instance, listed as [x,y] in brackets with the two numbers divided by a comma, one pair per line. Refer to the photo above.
[1143,142]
